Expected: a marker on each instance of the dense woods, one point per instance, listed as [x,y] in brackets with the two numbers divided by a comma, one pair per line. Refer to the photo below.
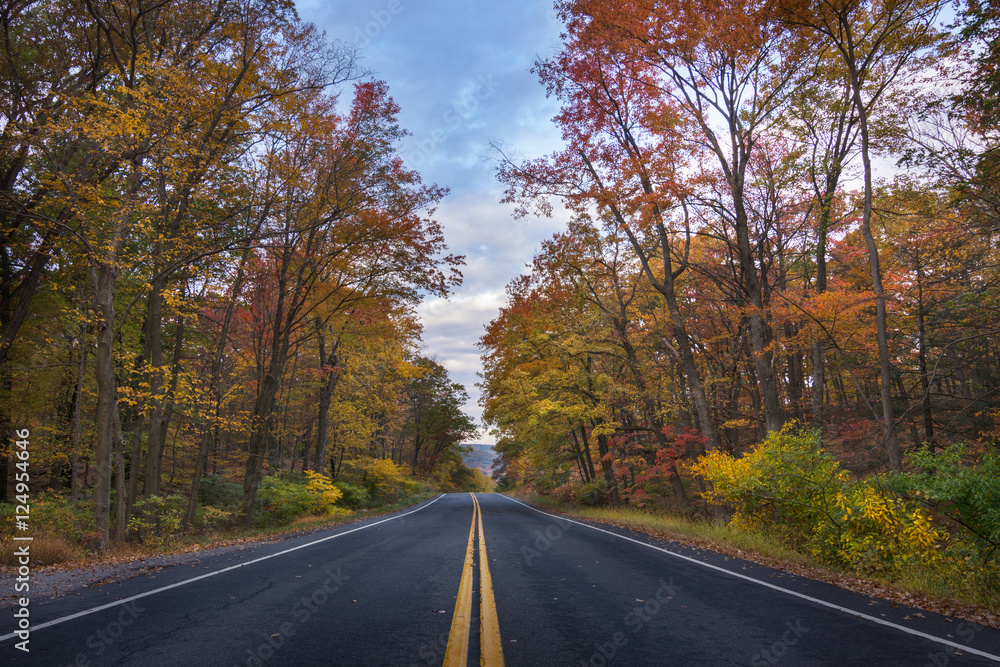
[780,278]
[211,255]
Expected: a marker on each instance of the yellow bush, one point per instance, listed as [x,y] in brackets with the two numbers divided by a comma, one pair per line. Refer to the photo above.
[790,485]
[384,479]
[322,493]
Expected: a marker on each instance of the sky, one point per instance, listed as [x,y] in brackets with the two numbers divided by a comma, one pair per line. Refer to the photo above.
[459,69]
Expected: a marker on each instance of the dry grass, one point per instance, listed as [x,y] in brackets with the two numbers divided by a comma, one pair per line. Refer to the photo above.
[45,550]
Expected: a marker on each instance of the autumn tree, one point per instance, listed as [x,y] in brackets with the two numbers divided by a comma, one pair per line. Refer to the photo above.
[877,42]
[624,155]
[348,222]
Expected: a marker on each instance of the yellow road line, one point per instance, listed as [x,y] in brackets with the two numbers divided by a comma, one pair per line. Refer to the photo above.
[457,653]
[490,646]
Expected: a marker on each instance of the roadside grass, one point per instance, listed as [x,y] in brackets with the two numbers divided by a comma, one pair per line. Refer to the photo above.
[51,549]
[958,594]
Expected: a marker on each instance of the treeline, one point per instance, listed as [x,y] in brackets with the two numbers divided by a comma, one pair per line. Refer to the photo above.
[211,254]
[781,211]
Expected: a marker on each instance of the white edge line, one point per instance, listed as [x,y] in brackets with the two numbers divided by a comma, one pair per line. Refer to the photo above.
[824,603]
[178,584]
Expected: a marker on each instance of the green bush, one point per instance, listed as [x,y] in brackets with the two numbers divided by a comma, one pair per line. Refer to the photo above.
[355,497]
[282,500]
[962,485]
[156,518]
[413,487]
[215,492]
[52,514]
[591,493]
[212,518]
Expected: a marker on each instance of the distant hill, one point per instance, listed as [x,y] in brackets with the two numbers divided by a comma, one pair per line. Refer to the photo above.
[481,456]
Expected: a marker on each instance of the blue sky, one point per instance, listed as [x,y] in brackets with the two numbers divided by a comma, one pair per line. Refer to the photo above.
[460,73]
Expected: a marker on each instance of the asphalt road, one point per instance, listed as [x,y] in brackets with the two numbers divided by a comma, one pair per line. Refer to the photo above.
[383,592]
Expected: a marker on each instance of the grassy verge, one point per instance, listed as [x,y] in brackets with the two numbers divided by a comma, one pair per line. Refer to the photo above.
[932,591]
[50,549]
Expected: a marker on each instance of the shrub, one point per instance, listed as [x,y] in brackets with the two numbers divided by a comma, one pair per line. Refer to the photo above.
[354,497]
[962,485]
[789,485]
[214,518]
[322,493]
[223,495]
[384,479]
[413,487]
[156,518]
[591,493]
[282,500]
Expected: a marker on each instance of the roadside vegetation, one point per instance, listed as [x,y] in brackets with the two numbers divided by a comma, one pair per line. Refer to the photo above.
[292,501]
[790,504]
[211,255]
[774,313]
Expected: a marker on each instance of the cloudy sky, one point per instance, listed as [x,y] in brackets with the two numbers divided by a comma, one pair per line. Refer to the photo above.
[459,71]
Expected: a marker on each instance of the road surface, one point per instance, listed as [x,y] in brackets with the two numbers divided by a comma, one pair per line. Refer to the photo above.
[390,591]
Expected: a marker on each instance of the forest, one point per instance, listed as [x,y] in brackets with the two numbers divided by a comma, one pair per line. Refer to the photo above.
[211,257]
[777,298]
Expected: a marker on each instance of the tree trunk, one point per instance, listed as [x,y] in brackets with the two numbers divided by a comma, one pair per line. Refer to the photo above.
[889,438]
[925,403]
[331,377]
[74,477]
[211,432]
[103,276]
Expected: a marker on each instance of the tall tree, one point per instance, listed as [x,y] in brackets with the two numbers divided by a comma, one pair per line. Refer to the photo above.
[877,41]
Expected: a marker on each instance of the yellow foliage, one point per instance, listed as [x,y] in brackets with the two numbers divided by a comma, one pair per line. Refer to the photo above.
[323,494]
[385,471]
[790,484]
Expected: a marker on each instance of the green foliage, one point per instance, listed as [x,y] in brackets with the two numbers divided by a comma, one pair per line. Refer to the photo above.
[215,492]
[213,518]
[414,487]
[789,484]
[354,497]
[284,499]
[156,518]
[52,513]
[963,486]
[591,493]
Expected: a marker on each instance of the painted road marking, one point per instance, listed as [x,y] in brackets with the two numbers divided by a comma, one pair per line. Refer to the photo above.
[457,652]
[490,646]
[831,605]
[110,605]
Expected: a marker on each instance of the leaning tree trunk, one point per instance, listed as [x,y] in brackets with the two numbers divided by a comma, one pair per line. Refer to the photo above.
[889,437]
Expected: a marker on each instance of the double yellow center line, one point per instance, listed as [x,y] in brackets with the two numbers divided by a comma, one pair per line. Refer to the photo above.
[490,648]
